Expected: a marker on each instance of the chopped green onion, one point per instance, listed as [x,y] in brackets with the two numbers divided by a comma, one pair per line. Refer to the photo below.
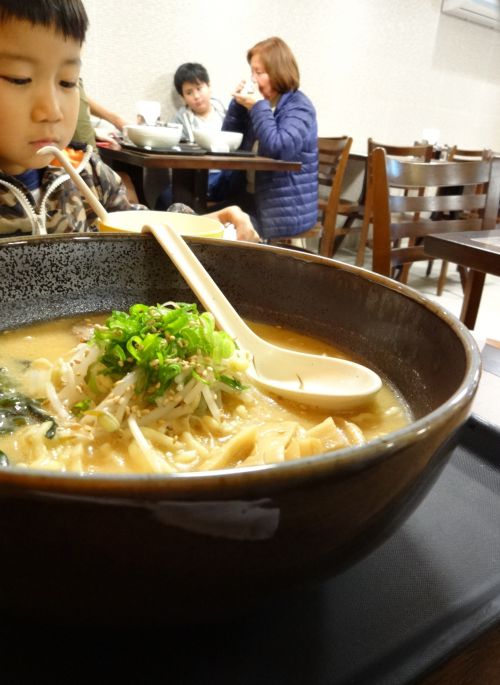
[160,343]
[80,407]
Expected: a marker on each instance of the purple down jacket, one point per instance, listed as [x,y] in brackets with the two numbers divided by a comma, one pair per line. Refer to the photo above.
[286,202]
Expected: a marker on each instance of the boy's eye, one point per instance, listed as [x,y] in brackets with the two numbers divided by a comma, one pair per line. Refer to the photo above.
[68,84]
[16,81]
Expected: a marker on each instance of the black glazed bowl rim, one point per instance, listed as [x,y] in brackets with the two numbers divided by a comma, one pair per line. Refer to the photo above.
[350,459]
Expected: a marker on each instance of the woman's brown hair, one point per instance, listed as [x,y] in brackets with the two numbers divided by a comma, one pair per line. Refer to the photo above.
[279,63]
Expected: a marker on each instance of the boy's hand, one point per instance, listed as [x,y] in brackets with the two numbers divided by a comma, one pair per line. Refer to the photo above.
[241,222]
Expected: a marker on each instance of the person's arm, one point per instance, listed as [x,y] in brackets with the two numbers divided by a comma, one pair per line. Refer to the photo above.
[281,134]
[101,112]
[236,118]
[240,220]
[179,118]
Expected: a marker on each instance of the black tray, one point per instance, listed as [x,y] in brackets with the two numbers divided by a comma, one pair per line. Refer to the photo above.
[184,149]
[431,588]
[236,153]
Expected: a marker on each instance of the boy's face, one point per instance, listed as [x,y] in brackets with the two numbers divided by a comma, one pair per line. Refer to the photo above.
[197,97]
[39,96]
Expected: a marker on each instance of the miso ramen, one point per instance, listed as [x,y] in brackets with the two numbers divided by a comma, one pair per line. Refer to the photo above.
[160,390]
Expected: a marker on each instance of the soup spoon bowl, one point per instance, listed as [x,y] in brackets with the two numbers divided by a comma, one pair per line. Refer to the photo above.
[317,380]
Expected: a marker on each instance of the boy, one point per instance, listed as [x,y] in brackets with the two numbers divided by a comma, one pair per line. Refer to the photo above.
[200,109]
[40,45]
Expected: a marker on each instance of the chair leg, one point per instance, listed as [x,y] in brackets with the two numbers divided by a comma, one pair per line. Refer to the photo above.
[337,242]
[442,278]
[405,271]
[350,219]
[464,274]
[363,239]
[429,267]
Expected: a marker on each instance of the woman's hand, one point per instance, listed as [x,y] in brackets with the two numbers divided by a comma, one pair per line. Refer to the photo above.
[246,94]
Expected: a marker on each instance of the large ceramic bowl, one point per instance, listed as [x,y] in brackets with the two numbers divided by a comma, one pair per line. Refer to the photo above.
[190,546]
[218,141]
[154,136]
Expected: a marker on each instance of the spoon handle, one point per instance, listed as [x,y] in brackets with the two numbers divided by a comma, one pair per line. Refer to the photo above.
[77,180]
[203,285]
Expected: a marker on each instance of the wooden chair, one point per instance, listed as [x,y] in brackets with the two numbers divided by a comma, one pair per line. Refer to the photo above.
[416,152]
[333,155]
[396,233]
[460,155]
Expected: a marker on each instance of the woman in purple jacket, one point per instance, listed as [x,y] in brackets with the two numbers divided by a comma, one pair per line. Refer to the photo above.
[280,122]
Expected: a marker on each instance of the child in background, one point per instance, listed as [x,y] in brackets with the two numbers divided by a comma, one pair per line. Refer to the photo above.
[201,111]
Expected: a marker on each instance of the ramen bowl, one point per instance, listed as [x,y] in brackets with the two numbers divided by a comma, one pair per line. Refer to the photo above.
[218,141]
[185,224]
[154,136]
[191,546]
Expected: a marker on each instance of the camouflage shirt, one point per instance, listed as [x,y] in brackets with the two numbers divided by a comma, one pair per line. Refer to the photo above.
[61,208]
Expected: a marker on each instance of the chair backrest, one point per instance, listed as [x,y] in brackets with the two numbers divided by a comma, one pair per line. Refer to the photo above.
[418,151]
[333,155]
[411,214]
[460,154]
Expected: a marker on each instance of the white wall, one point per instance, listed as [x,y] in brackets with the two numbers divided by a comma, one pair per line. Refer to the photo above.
[381,68]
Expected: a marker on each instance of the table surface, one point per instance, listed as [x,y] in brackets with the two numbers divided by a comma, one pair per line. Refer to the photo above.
[189,171]
[478,662]
[150,160]
[479,250]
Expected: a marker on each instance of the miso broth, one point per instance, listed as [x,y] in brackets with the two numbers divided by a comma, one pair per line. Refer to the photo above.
[230,428]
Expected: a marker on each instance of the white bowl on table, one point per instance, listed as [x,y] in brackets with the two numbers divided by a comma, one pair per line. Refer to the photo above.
[218,141]
[154,136]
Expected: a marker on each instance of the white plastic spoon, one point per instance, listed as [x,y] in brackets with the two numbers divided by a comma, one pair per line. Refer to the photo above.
[317,380]
[312,379]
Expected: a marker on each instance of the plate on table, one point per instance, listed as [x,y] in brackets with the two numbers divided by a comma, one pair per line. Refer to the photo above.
[179,149]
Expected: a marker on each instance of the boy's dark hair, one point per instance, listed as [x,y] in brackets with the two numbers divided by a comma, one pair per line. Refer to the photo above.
[189,72]
[68,17]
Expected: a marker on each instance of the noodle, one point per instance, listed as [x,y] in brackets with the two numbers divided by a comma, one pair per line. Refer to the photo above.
[205,416]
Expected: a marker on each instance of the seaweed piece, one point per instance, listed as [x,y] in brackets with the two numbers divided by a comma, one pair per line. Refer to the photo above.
[18,410]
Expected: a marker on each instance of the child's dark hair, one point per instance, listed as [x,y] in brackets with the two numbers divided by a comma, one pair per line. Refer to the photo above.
[190,72]
[68,17]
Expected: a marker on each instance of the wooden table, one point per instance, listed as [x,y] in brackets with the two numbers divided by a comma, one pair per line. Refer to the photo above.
[477,250]
[477,664]
[189,172]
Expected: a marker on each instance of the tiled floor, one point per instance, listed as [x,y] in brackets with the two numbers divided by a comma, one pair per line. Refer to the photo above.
[488,321]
